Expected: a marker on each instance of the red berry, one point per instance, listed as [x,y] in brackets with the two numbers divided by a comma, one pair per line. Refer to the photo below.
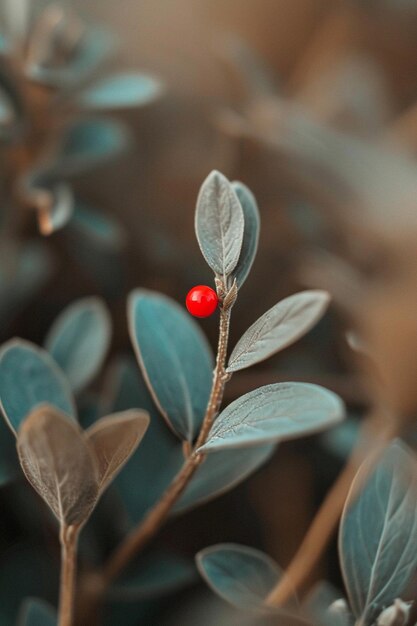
[202,301]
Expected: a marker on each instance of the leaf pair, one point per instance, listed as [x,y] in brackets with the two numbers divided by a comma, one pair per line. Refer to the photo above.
[70,468]
[227,227]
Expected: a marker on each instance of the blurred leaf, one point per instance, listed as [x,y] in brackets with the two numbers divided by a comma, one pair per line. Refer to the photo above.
[16,16]
[9,466]
[219,224]
[114,439]
[250,233]
[274,413]
[220,472]
[122,90]
[29,377]
[53,200]
[87,143]
[79,340]
[325,605]
[154,575]
[378,533]
[36,612]
[175,359]
[279,327]
[98,228]
[59,464]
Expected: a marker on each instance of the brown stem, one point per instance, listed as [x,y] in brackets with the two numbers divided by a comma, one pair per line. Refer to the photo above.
[69,542]
[371,444]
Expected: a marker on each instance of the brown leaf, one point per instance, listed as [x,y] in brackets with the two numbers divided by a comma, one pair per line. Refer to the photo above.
[114,439]
[59,464]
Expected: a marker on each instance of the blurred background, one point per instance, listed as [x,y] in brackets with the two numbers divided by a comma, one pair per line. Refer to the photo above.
[313,105]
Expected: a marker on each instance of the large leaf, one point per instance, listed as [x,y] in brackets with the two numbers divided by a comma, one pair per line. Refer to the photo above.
[274,413]
[378,534]
[59,464]
[250,233]
[219,224]
[175,359]
[114,439]
[36,612]
[122,90]
[279,327]
[79,339]
[29,377]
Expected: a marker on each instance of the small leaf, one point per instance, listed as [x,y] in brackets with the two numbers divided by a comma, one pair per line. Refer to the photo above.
[36,612]
[100,230]
[53,200]
[79,340]
[154,575]
[114,439]
[220,472]
[174,357]
[278,328]
[378,533]
[219,224]
[122,90]
[250,233]
[274,413]
[28,377]
[59,464]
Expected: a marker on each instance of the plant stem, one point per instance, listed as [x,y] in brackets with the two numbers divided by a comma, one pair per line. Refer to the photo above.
[371,444]
[155,518]
[69,542]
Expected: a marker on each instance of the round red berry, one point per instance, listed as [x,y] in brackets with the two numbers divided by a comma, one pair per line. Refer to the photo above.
[202,301]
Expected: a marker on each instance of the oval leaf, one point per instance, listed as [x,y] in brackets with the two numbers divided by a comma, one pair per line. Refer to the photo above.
[378,533]
[36,612]
[278,328]
[250,233]
[174,357]
[58,463]
[274,413]
[79,340]
[114,439]
[28,377]
[219,224]
[123,90]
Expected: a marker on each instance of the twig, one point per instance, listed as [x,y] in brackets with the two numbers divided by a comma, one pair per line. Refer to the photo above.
[69,542]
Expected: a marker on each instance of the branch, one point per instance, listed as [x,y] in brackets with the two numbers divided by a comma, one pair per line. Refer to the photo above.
[69,542]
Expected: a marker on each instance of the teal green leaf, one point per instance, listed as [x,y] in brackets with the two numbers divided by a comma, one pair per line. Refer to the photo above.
[378,533]
[36,612]
[122,90]
[154,575]
[219,224]
[53,199]
[79,340]
[99,229]
[174,357]
[250,233]
[29,377]
[274,413]
[278,328]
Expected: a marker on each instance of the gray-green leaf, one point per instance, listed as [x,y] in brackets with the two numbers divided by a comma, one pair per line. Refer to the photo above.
[123,90]
[174,357]
[250,233]
[274,413]
[378,534]
[59,464]
[278,328]
[35,612]
[219,224]
[79,339]
[28,377]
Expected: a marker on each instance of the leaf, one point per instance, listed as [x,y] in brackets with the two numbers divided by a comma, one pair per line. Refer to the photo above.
[35,612]
[28,377]
[154,575]
[59,464]
[114,439]
[219,224]
[16,16]
[278,328]
[123,90]
[220,472]
[79,340]
[99,229]
[88,143]
[174,357]
[250,233]
[274,413]
[378,533]
[53,200]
